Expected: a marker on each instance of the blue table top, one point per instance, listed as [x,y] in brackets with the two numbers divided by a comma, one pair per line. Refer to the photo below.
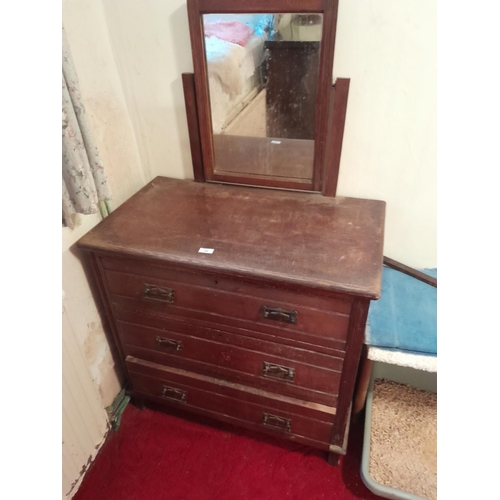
[405,317]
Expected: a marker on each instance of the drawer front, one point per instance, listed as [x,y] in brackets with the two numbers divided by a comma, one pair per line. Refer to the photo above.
[132,311]
[340,304]
[221,307]
[286,417]
[236,358]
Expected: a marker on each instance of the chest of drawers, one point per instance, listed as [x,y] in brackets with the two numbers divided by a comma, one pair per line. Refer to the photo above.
[266,331]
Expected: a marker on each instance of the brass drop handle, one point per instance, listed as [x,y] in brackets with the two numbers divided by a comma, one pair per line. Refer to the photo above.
[275,422]
[173,393]
[271,370]
[174,345]
[158,293]
[279,314]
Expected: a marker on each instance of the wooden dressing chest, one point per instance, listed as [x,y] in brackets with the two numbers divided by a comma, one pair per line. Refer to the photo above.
[266,331]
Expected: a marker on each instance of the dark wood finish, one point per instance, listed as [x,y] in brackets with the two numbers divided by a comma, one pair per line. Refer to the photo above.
[219,355]
[351,361]
[306,242]
[329,180]
[262,6]
[338,111]
[263,181]
[329,399]
[196,8]
[291,92]
[138,401]
[364,375]
[278,401]
[283,346]
[241,156]
[214,305]
[156,270]
[234,400]
[317,371]
[265,332]
[200,415]
[334,458]
[288,336]
[193,126]
[98,274]
[132,313]
[430,280]
[324,89]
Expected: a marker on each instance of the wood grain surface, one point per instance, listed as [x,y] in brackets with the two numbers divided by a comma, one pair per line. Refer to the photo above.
[302,240]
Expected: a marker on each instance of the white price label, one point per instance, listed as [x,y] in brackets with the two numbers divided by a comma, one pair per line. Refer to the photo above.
[206,250]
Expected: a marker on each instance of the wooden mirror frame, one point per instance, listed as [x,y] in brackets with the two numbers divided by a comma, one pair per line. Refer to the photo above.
[325,169]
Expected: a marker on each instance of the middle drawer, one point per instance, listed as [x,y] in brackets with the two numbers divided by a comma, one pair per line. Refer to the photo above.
[266,365]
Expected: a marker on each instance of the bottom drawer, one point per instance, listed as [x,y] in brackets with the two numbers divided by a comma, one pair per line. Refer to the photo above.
[301,421]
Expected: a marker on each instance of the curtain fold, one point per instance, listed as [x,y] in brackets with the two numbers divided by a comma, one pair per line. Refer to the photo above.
[85,188]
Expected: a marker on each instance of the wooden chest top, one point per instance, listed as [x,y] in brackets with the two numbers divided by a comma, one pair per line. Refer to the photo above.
[334,244]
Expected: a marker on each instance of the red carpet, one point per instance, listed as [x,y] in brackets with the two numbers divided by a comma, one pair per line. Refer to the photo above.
[158,456]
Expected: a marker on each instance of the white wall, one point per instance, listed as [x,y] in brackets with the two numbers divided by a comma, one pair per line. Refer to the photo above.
[388,49]
[151,48]
[90,379]
[108,115]
[84,420]
[104,97]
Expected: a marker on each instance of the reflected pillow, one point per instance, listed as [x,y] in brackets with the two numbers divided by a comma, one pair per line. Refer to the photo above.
[229,31]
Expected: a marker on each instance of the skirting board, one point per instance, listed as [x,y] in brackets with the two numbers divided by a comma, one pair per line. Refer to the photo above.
[77,483]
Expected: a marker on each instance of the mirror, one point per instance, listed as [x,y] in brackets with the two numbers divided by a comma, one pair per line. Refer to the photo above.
[263,72]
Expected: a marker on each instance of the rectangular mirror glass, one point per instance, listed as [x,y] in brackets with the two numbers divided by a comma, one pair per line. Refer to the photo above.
[263,80]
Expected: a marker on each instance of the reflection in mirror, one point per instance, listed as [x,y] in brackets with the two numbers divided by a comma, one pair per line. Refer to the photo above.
[263,78]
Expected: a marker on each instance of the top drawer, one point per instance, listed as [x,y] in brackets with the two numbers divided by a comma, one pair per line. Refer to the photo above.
[218,300]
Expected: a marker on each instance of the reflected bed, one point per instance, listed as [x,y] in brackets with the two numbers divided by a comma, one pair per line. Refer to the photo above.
[234,75]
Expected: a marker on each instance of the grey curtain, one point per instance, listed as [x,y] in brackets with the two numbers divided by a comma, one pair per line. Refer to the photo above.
[85,189]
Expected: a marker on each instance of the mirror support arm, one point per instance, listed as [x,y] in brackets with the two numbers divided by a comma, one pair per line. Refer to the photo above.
[188,85]
[336,125]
